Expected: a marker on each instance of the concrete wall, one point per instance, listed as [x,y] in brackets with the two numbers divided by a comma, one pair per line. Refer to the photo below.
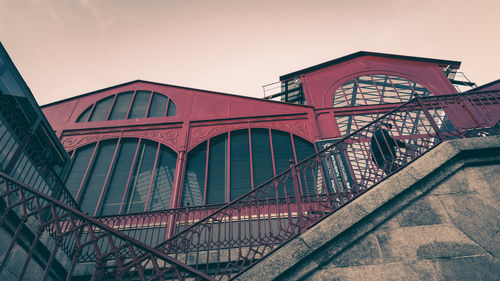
[437,219]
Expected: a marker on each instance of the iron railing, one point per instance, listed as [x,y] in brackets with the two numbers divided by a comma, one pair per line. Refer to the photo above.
[238,235]
[152,228]
[57,236]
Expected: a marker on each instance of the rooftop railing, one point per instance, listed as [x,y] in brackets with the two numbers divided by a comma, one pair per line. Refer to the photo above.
[238,235]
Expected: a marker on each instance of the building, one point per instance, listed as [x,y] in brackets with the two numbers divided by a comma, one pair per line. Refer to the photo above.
[147,162]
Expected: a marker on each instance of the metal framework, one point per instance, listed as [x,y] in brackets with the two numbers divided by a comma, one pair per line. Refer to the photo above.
[29,215]
[208,244]
[241,233]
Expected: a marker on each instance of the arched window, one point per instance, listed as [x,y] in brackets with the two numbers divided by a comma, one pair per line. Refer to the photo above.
[129,105]
[229,165]
[120,176]
[374,89]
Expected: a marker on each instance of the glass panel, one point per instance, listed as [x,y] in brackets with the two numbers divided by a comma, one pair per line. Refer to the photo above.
[172,110]
[240,164]
[97,176]
[261,156]
[85,115]
[118,179]
[282,147]
[304,149]
[79,165]
[19,167]
[4,138]
[194,181]
[376,89]
[141,179]
[140,105]
[217,170]
[8,146]
[101,109]
[161,191]
[158,106]
[121,106]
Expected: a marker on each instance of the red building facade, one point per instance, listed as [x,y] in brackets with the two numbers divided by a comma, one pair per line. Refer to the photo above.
[144,146]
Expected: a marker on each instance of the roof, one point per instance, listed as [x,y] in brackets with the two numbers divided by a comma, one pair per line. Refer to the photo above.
[485,86]
[362,54]
[167,85]
[28,107]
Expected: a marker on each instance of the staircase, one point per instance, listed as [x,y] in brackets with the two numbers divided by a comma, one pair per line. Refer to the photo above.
[239,234]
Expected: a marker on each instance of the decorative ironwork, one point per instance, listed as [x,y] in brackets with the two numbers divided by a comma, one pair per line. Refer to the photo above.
[31,215]
[244,231]
[237,235]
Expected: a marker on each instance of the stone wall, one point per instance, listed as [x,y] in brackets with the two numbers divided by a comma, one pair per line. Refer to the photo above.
[437,219]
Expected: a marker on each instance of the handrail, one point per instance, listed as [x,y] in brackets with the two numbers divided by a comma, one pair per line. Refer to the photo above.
[245,230]
[80,236]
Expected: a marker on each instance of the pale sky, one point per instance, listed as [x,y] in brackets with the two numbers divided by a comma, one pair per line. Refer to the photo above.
[65,48]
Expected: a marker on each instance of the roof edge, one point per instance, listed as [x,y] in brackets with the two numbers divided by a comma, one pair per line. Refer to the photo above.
[167,85]
[365,53]
[485,85]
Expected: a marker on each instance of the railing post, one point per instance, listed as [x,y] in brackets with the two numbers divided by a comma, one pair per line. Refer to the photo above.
[429,118]
[297,194]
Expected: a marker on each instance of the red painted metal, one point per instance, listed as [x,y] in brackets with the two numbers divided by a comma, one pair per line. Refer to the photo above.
[239,234]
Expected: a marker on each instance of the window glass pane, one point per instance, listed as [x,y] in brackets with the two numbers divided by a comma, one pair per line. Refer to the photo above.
[85,115]
[30,173]
[194,181]
[158,106]
[172,110]
[376,89]
[304,149]
[163,183]
[19,167]
[4,138]
[139,185]
[240,164]
[217,170]
[97,176]
[140,105]
[282,147]
[7,147]
[79,165]
[101,109]
[118,179]
[121,106]
[261,156]
[10,148]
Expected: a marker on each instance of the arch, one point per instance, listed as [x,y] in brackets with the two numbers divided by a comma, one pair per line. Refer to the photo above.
[122,175]
[129,105]
[230,164]
[376,88]
[372,88]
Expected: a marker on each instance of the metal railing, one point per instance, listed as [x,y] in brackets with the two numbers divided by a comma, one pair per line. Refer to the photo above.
[238,235]
[51,232]
[152,228]
[231,239]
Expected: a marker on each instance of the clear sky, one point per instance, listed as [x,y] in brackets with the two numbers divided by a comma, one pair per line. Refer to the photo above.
[65,48]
